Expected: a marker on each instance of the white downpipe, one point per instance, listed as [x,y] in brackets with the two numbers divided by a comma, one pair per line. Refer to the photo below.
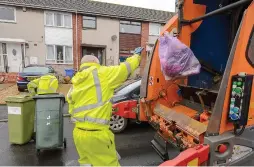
[77,58]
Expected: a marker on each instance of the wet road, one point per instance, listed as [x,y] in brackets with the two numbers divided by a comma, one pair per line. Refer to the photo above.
[133,145]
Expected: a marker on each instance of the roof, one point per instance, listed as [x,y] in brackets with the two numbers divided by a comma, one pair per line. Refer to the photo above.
[95,8]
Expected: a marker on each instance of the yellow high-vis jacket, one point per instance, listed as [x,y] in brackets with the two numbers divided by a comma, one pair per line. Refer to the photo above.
[92,89]
[46,84]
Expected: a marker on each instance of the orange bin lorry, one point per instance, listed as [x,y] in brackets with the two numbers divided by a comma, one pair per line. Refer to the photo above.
[208,118]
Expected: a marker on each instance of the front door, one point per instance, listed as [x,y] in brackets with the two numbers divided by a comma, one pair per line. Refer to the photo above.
[14,54]
[98,52]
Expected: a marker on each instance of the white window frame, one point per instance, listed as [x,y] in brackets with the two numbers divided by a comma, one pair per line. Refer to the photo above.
[159,29]
[9,21]
[55,56]
[53,14]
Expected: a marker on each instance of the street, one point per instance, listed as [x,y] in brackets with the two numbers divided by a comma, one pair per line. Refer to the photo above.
[133,145]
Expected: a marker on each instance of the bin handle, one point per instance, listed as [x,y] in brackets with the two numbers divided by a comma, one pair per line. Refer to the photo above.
[24,96]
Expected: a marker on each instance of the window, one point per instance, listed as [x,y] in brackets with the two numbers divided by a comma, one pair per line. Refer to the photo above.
[49,19]
[58,20]
[89,22]
[154,29]
[7,14]
[68,54]
[59,54]
[250,49]
[67,21]
[130,27]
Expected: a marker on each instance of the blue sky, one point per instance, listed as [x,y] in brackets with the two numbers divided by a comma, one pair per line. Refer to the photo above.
[165,5]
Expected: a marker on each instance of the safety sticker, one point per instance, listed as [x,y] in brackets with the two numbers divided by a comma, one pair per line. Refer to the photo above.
[151,81]
[14,110]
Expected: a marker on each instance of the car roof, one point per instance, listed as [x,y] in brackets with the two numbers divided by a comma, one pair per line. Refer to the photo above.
[34,65]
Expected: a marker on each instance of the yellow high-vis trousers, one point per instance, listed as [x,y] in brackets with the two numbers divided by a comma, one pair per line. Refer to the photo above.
[96,148]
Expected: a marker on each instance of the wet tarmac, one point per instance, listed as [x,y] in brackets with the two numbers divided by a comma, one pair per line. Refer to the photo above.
[133,145]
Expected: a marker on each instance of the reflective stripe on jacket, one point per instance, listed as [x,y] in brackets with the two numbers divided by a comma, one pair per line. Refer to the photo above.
[45,85]
[93,87]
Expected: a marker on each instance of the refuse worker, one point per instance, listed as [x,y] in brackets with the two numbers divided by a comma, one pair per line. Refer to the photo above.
[91,109]
[46,84]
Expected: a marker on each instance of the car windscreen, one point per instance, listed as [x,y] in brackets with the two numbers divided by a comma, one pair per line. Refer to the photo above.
[42,70]
[125,90]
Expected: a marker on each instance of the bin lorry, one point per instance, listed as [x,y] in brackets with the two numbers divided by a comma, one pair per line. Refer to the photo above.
[208,118]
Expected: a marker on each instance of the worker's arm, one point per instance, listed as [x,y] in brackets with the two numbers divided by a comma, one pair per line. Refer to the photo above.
[118,74]
[70,101]
[31,86]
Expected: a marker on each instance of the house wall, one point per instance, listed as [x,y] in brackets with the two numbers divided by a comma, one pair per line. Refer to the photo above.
[105,29]
[30,27]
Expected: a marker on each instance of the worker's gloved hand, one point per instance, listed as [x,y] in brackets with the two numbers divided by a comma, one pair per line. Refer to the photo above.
[138,50]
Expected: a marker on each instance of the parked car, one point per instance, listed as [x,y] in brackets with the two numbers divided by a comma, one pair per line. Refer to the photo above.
[30,73]
[125,102]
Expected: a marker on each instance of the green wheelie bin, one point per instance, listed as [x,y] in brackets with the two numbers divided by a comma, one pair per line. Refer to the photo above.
[21,110]
[49,121]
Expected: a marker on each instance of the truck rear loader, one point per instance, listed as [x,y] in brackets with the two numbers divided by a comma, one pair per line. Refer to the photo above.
[208,118]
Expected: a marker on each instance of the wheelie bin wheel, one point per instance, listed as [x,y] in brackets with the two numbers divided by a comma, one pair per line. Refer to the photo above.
[65,143]
[34,137]
[38,151]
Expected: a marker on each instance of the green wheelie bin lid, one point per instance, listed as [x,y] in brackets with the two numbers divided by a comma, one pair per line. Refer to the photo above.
[18,99]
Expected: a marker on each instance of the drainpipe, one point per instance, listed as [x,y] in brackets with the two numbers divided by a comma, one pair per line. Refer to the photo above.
[77,58]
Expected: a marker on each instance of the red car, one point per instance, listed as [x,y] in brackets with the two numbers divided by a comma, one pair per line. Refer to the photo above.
[125,105]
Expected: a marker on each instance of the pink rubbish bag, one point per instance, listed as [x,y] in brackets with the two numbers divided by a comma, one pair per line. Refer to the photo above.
[177,59]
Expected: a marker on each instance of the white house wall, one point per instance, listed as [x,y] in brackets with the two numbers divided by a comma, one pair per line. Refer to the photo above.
[58,36]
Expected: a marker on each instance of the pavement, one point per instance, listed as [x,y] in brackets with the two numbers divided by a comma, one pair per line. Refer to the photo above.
[133,145]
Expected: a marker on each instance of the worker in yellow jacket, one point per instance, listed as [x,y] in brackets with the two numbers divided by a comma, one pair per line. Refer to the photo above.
[91,109]
[46,84]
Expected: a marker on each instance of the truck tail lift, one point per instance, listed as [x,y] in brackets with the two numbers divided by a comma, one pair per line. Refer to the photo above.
[205,119]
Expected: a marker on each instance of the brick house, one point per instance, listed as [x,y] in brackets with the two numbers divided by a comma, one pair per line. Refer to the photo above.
[60,32]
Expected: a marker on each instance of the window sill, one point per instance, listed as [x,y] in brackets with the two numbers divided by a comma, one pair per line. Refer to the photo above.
[58,27]
[6,21]
[84,28]
[154,35]
[59,63]
[129,33]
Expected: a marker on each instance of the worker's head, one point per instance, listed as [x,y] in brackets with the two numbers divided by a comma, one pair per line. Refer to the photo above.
[90,59]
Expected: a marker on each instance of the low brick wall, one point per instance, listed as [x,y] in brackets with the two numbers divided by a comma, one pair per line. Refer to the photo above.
[8,77]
